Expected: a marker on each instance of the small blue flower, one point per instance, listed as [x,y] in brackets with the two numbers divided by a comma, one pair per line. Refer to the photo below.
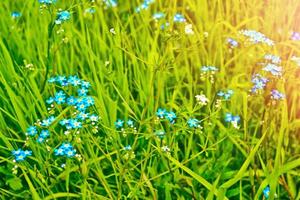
[209,69]
[90,10]
[130,123]
[276,95]
[256,37]
[47,122]
[31,131]
[60,97]
[66,149]
[266,192]
[40,140]
[82,116]
[193,123]
[274,59]
[74,123]
[52,79]
[231,118]
[165,26]
[44,134]
[158,15]
[259,83]
[62,80]
[161,113]
[179,18]
[15,14]
[82,92]
[62,17]
[74,81]
[85,84]
[145,5]
[20,155]
[51,100]
[110,3]
[71,101]
[225,94]
[94,118]
[47,1]
[273,69]
[233,43]
[171,116]
[127,148]
[119,124]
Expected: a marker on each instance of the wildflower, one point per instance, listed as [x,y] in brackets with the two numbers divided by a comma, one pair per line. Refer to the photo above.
[15,14]
[233,43]
[47,122]
[295,36]
[52,79]
[110,3]
[193,123]
[179,18]
[85,84]
[47,1]
[74,123]
[62,17]
[145,5]
[82,116]
[127,148]
[256,37]
[160,134]
[165,148]
[20,155]
[225,94]
[273,69]
[165,26]
[51,100]
[276,95]
[234,120]
[66,149]
[161,113]
[202,99]
[119,124]
[71,101]
[81,106]
[159,15]
[171,116]
[44,134]
[188,29]
[82,92]
[62,80]
[90,10]
[94,118]
[60,97]
[206,69]
[266,192]
[31,131]
[74,80]
[130,123]
[296,60]
[274,59]
[259,82]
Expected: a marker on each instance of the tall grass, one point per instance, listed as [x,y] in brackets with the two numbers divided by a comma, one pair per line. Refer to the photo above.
[136,69]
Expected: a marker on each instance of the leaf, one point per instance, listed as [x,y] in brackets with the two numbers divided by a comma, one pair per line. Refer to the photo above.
[15,183]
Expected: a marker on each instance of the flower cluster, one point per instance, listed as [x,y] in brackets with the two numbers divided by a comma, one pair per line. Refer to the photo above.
[66,149]
[273,58]
[45,134]
[273,69]
[179,18]
[259,83]
[295,36]
[207,69]
[62,17]
[202,99]
[256,37]
[266,192]
[169,115]
[119,124]
[276,95]
[226,95]
[20,154]
[145,5]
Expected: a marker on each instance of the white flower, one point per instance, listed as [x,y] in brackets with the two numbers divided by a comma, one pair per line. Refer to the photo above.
[165,149]
[202,99]
[188,29]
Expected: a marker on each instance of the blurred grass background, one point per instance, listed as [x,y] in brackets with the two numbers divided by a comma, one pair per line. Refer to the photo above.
[135,71]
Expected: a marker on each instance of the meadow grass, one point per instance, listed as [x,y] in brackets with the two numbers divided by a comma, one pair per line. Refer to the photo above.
[134,68]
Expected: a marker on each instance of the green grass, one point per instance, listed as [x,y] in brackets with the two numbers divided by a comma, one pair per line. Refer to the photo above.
[134,72]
